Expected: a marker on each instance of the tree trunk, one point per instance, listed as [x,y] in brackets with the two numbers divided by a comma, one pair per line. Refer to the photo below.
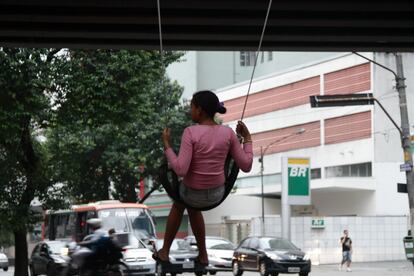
[30,162]
[21,261]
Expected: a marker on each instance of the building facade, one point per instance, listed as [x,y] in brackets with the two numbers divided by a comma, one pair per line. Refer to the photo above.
[355,151]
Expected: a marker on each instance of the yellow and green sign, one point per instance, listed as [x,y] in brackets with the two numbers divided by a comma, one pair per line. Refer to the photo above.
[297,180]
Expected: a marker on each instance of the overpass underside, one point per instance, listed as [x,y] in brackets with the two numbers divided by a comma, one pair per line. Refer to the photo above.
[209,24]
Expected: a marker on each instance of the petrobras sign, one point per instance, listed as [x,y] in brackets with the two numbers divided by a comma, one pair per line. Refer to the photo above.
[296,180]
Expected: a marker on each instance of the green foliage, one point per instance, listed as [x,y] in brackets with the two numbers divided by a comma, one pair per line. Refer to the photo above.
[27,81]
[110,121]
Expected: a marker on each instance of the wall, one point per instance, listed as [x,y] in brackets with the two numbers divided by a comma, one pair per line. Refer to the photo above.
[214,70]
[387,175]
[241,206]
[339,203]
[185,73]
[200,70]
[376,238]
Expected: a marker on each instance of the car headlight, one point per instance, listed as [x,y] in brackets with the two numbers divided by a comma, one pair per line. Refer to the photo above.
[64,251]
[306,257]
[273,256]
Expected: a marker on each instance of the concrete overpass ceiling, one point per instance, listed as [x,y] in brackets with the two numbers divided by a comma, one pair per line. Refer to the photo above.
[303,25]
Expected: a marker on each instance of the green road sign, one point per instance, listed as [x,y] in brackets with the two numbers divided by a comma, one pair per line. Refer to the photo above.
[318,223]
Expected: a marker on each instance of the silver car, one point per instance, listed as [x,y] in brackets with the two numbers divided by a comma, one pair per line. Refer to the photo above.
[4,262]
[138,257]
[180,253]
[220,253]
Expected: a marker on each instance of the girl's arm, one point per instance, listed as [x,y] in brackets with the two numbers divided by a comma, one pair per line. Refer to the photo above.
[242,156]
[181,163]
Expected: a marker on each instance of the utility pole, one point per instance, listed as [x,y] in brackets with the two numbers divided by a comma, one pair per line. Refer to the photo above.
[405,137]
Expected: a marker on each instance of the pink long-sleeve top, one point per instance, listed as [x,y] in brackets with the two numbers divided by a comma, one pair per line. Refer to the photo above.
[203,152]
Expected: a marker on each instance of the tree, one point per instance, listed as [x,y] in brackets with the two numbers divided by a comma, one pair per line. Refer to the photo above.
[110,121]
[27,83]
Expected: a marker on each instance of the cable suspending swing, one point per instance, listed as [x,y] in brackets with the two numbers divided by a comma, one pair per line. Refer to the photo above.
[167,177]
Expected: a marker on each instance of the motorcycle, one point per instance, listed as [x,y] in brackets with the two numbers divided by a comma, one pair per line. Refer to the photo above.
[97,256]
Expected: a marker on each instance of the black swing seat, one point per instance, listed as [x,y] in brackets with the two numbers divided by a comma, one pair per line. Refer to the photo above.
[163,268]
[171,183]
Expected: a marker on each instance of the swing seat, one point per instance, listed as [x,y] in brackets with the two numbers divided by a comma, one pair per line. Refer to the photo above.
[171,183]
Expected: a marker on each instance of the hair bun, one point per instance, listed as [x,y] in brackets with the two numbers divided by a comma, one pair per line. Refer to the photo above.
[220,108]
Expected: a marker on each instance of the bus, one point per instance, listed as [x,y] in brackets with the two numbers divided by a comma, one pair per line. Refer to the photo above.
[122,217]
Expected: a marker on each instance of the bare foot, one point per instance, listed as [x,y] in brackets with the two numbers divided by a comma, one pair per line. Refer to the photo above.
[163,255]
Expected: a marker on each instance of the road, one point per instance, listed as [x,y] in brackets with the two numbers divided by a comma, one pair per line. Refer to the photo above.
[400,268]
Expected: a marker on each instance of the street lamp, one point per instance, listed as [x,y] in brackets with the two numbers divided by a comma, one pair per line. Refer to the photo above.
[261,160]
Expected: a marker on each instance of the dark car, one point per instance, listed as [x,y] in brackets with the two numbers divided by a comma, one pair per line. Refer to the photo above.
[270,256]
[50,258]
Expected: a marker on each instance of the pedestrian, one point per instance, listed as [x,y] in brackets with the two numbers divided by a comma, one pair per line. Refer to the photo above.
[201,159]
[346,244]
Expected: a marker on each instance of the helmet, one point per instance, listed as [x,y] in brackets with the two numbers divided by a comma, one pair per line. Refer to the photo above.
[94,223]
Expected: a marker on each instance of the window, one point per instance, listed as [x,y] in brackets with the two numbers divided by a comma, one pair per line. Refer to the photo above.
[276,244]
[219,244]
[316,173]
[269,56]
[247,58]
[353,170]
[245,243]
[255,243]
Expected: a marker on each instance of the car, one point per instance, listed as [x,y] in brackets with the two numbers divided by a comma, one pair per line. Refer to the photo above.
[4,262]
[180,253]
[50,258]
[220,253]
[137,256]
[269,256]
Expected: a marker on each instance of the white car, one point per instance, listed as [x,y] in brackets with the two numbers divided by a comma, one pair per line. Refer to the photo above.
[220,253]
[4,262]
[138,257]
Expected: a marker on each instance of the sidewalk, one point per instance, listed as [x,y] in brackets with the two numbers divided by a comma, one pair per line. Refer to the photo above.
[397,268]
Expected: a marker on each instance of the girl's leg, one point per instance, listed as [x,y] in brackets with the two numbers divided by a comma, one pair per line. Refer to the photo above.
[173,223]
[199,230]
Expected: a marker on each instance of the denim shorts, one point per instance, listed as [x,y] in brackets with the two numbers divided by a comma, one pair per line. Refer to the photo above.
[201,198]
[346,256]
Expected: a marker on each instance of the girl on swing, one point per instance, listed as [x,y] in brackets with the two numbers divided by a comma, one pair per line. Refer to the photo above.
[203,151]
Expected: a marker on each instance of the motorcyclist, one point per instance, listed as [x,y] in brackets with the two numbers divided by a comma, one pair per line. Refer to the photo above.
[104,251]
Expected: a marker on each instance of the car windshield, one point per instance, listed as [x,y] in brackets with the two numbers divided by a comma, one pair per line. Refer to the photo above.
[141,223]
[276,244]
[219,244]
[118,220]
[56,248]
[114,219]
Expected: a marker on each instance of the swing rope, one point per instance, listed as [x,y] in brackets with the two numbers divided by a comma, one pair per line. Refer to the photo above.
[231,169]
[161,50]
[256,57]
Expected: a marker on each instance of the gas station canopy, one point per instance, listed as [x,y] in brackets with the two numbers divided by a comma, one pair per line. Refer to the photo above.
[294,25]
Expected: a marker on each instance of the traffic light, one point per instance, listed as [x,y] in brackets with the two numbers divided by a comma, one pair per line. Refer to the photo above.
[342,100]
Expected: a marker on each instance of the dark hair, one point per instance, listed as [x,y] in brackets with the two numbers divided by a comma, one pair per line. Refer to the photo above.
[209,102]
